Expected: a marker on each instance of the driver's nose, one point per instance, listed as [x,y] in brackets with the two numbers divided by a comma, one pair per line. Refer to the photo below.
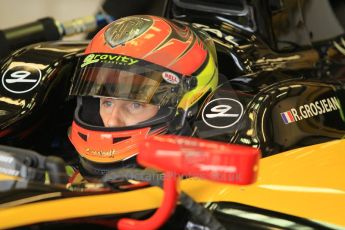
[115,118]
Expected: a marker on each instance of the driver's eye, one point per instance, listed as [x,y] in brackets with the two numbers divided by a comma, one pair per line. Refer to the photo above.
[107,103]
[136,105]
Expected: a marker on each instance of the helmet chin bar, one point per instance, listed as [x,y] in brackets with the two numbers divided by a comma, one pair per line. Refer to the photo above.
[186,156]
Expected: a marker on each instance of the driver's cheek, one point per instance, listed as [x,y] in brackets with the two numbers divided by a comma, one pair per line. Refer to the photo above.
[133,119]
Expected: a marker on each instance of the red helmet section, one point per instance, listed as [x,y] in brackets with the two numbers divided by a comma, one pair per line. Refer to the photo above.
[162,43]
[106,147]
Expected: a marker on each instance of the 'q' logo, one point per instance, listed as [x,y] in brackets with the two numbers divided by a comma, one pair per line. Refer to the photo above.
[222,113]
[21,79]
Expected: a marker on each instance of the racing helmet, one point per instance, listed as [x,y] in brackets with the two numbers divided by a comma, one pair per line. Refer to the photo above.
[144,59]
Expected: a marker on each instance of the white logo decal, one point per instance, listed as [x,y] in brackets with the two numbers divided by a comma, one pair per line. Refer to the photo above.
[21,79]
[170,77]
[222,113]
[312,109]
[19,76]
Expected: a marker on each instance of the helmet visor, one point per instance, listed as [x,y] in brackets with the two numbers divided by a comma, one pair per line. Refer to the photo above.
[134,80]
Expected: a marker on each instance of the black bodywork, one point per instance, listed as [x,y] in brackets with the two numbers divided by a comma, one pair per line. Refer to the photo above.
[287,94]
[36,112]
[286,90]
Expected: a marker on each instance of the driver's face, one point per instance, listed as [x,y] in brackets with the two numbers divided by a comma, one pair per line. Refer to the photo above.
[120,113]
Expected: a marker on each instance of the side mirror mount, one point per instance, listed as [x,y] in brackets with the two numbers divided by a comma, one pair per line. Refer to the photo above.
[187,156]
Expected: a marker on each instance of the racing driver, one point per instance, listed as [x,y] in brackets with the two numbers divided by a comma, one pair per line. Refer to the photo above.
[139,76]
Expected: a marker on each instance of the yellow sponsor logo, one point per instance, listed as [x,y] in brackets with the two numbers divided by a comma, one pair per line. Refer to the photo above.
[108,58]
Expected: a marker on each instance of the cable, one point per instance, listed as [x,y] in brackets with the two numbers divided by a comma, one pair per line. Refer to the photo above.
[202,215]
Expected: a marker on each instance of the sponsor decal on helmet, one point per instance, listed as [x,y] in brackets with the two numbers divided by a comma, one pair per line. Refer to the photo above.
[222,112]
[127,29]
[170,78]
[21,78]
[108,58]
[99,153]
[310,110]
